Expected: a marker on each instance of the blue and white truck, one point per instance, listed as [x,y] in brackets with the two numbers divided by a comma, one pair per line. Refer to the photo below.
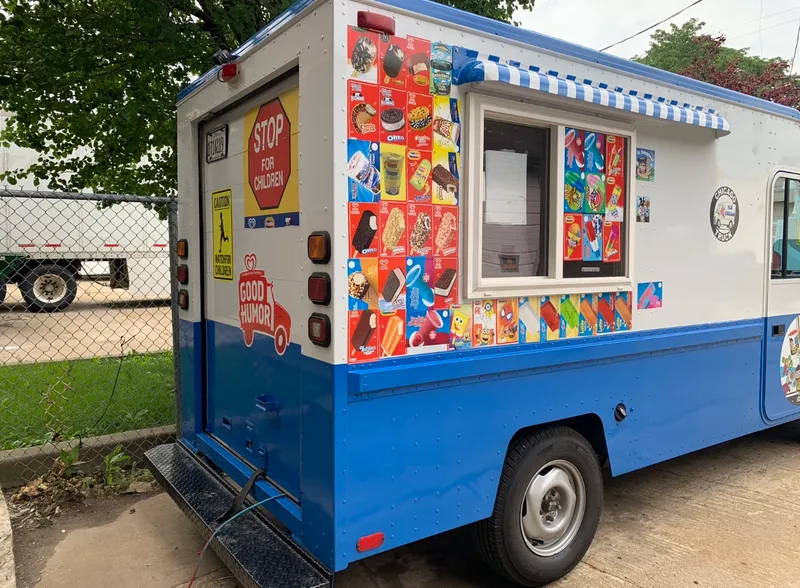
[438,271]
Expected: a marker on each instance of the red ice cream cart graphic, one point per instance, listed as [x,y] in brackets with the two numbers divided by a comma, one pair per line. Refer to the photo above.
[258,311]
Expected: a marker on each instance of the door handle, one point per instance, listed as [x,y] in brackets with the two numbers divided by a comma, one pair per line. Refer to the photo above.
[778,330]
[268,403]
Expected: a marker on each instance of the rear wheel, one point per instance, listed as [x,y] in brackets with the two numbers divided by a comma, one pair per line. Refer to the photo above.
[48,288]
[547,508]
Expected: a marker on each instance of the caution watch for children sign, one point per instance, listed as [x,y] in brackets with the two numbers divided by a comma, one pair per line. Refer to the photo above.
[222,223]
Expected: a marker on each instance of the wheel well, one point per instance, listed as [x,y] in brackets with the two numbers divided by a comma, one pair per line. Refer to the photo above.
[588,425]
[73,265]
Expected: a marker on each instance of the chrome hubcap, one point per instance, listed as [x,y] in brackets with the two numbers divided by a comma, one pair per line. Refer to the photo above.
[553,508]
[49,288]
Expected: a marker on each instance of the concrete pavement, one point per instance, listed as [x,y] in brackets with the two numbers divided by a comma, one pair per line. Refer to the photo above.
[726,517]
[91,327]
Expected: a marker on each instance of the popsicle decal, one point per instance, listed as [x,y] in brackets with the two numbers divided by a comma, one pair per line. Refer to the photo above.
[258,310]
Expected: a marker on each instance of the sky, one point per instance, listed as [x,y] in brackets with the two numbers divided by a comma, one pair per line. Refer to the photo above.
[767,27]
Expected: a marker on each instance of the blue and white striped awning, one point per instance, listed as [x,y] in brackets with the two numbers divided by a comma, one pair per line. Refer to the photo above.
[492,70]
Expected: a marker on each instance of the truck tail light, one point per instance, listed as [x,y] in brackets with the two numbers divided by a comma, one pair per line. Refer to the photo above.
[183,274]
[228,71]
[319,329]
[319,288]
[183,248]
[319,247]
[370,542]
[373,21]
[183,299]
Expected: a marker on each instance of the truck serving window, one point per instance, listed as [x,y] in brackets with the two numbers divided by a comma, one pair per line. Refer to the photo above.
[547,200]
[786,228]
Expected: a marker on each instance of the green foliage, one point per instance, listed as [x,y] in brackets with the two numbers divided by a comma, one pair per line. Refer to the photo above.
[112,465]
[69,461]
[679,47]
[92,83]
[145,398]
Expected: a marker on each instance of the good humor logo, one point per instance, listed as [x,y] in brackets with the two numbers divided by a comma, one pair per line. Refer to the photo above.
[724,214]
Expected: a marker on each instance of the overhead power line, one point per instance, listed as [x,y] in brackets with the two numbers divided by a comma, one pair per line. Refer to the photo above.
[695,3]
[794,54]
[780,24]
[765,17]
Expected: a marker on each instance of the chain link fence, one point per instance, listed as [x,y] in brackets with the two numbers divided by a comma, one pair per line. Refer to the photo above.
[87,327]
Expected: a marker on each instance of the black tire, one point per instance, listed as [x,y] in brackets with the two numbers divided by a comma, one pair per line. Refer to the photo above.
[2,292]
[500,540]
[63,276]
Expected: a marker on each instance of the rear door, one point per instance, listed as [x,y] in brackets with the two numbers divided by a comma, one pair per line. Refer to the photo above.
[782,338]
[252,244]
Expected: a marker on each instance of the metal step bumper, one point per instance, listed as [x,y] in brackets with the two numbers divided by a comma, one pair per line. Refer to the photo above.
[258,554]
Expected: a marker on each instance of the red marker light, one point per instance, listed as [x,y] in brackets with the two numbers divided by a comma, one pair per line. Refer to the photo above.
[183,299]
[370,542]
[372,21]
[183,274]
[319,288]
[228,71]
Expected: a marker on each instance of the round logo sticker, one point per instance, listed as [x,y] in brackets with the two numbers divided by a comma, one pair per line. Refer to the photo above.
[790,362]
[724,214]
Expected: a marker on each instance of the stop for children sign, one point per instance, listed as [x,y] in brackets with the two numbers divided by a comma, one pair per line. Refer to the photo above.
[270,161]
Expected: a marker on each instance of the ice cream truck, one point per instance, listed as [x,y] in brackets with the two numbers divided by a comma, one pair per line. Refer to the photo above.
[438,271]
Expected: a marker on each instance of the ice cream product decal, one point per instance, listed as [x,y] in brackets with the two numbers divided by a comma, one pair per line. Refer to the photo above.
[363,171]
[362,55]
[507,321]
[418,62]
[649,295]
[364,237]
[568,325]
[622,305]
[362,283]
[529,326]
[573,237]
[441,69]
[392,70]
[550,323]
[362,101]
[484,323]
[592,237]
[587,319]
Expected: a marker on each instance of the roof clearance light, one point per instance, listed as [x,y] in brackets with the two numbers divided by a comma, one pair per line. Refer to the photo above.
[370,542]
[372,21]
[228,71]
[319,247]
[319,329]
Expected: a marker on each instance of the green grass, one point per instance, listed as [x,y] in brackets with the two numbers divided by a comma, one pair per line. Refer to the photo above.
[67,398]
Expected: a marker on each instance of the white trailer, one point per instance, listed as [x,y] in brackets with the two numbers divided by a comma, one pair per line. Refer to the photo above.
[50,240]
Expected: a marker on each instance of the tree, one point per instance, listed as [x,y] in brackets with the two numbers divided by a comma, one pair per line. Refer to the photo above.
[92,83]
[687,51]
[679,47]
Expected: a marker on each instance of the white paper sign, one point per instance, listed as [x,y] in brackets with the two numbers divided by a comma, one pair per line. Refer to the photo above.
[505,194]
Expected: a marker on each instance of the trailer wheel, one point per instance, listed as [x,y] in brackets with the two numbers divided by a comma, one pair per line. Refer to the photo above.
[547,508]
[48,288]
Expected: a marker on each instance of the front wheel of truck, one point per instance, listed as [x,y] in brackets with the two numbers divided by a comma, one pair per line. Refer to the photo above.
[547,508]
[48,288]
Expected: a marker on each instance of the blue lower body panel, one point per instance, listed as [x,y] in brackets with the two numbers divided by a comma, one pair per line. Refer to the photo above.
[426,442]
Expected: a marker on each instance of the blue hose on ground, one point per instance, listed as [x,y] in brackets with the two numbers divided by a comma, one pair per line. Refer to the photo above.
[218,529]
